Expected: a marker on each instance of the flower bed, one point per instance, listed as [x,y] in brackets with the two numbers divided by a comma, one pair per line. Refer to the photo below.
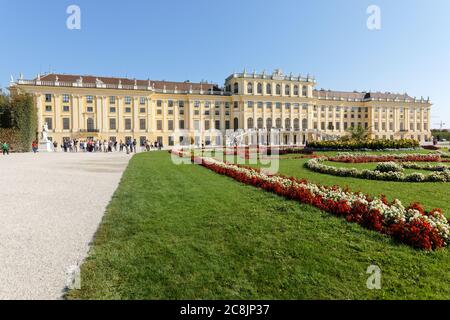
[365,158]
[424,166]
[411,225]
[317,165]
[389,167]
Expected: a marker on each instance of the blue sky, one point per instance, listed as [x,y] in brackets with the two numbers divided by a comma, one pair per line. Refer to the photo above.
[208,40]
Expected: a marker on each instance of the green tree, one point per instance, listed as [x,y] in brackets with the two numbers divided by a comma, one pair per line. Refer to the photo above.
[358,133]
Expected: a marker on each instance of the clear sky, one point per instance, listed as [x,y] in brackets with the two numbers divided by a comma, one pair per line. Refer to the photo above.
[209,40]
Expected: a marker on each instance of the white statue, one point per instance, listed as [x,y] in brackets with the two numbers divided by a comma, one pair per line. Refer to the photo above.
[45,133]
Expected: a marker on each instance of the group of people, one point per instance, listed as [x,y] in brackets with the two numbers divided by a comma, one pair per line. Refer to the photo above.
[92,145]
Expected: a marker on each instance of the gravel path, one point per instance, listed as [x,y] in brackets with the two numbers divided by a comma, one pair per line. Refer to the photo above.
[51,206]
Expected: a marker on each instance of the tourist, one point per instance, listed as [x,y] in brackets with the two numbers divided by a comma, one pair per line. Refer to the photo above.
[34,146]
[55,146]
[134,145]
[5,148]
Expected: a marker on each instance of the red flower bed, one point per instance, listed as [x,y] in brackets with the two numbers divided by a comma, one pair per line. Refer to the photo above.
[385,158]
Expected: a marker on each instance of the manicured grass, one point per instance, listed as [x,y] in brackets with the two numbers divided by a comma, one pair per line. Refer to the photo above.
[183,232]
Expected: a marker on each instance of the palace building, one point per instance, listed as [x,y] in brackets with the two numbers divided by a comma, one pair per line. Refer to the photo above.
[75,106]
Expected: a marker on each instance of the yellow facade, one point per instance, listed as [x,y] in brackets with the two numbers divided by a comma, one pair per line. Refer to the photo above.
[105,109]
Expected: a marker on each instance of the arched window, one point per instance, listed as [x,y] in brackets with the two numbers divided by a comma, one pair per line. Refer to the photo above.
[236,124]
[260,123]
[296,124]
[260,88]
[268,88]
[250,124]
[287,124]
[250,88]
[296,90]
[278,123]
[90,124]
[287,90]
[304,91]
[278,90]
[305,124]
[236,88]
[269,123]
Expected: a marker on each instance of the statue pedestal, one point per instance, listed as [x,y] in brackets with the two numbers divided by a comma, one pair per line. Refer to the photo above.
[45,146]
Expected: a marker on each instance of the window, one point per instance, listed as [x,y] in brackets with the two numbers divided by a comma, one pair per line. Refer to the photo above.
[260,123]
[269,123]
[287,123]
[304,91]
[236,105]
[127,110]
[171,141]
[142,124]
[49,122]
[170,124]
[89,99]
[250,124]
[170,103]
[259,88]
[227,125]
[181,104]
[159,125]
[296,90]
[236,124]
[48,98]
[278,89]
[66,123]
[287,90]
[66,98]
[48,108]
[236,88]
[159,112]
[127,100]
[89,109]
[112,124]
[217,124]
[268,88]
[90,125]
[278,123]
[142,110]
[250,88]
[112,109]
[127,124]
[181,124]
[206,124]
[159,103]
[66,108]
[112,100]
[305,124]
[142,101]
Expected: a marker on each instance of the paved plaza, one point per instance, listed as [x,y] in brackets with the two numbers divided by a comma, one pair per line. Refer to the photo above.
[51,207]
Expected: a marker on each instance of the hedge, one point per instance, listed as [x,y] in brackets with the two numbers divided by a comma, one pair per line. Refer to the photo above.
[368,144]
[23,119]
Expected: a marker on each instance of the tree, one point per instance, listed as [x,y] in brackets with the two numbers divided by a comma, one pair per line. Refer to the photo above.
[24,119]
[358,133]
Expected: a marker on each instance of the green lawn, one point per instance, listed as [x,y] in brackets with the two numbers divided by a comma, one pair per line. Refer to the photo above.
[183,232]
[430,194]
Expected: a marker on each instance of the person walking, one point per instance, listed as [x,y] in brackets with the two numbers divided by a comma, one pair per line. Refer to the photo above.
[34,146]
[5,148]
